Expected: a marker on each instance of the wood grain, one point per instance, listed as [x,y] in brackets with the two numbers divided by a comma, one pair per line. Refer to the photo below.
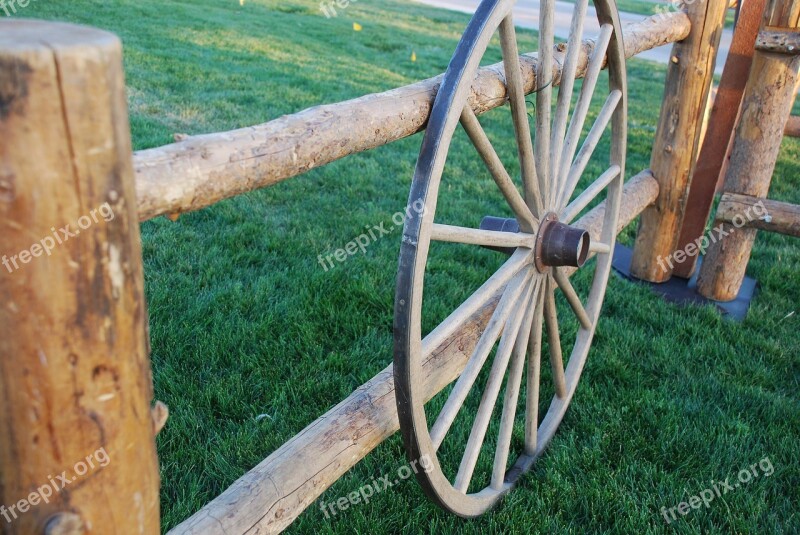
[74,353]
[781,217]
[779,41]
[677,138]
[710,167]
[766,106]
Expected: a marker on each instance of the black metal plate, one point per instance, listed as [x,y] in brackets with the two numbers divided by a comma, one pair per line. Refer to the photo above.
[684,292]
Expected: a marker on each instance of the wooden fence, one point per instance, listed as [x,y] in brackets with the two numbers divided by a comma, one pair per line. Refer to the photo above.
[66,149]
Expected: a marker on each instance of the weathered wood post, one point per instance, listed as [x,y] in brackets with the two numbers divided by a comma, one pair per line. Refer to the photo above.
[713,154]
[677,138]
[77,450]
[767,103]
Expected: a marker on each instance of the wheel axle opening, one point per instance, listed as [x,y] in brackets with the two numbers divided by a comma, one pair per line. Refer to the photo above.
[559,245]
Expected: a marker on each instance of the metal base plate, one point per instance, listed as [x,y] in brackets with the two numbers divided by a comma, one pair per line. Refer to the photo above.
[684,292]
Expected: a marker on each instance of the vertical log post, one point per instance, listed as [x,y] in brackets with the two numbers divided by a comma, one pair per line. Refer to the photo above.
[677,138]
[77,449]
[713,154]
[768,99]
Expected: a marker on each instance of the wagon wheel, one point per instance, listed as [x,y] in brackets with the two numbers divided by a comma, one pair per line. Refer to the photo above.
[543,244]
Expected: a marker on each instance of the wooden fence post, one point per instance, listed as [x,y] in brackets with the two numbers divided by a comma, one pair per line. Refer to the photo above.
[767,103]
[77,449]
[713,154]
[677,138]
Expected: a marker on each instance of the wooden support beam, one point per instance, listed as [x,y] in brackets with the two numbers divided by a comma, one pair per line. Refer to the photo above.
[205,169]
[677,139]
[767,103]
[269,497]
[75,380]
[724,115]
[780,217]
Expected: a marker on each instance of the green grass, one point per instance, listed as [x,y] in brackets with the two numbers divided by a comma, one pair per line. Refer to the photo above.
[245,322]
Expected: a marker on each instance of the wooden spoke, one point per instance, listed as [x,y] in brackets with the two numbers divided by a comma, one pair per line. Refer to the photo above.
[519,114]
[477,300]
[572,298]
[599,247]
[554,340]
[464,384]
[534,374]
[487,238]
[574,46]
[498,171]
[575,207]
[589,145]
[544,82]
[582,106]
[490,393]
[512,390]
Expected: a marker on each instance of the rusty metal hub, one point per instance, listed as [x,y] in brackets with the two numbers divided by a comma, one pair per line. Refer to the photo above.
[558,244]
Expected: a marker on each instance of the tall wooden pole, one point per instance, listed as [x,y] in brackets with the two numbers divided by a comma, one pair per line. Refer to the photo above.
[767,103]
[724,115]
[677,138]
[77,449]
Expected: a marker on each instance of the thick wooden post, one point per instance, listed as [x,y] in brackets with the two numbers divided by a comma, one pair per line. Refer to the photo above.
[766,107]
[77,449]
[678,136]
[712,157]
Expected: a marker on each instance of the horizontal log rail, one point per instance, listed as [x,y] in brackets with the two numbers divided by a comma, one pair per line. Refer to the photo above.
[792,127]
[269,497]
[779,41]
[202,170]
[782,217]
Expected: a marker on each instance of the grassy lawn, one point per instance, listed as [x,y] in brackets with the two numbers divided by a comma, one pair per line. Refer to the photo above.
[245,322]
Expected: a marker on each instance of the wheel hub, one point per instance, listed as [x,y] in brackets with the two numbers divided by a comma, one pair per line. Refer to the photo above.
[558,244]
